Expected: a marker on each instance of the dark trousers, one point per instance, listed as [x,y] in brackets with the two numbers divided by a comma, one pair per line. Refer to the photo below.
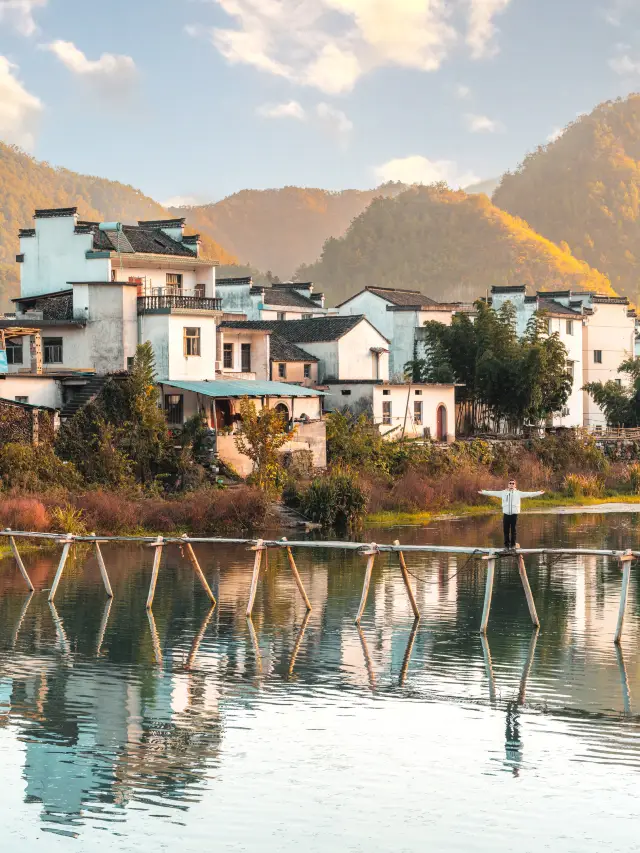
[509,523]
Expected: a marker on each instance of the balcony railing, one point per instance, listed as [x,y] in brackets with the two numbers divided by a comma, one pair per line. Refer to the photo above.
[168,303]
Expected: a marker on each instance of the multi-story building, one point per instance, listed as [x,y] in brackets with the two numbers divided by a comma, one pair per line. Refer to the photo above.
[285,301]
[597,331]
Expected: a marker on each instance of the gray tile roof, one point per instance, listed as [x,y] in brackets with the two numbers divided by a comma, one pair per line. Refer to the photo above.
[404,298]
[280,296]
[315,330]
[144,240]
[556,308]
[283,350]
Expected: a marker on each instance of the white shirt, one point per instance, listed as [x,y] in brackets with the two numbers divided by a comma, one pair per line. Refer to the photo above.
[511,499]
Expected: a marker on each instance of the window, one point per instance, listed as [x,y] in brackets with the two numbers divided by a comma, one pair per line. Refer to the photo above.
[386,393]
[307,371]
[282,370]
[417,412]
[597,356]
[418,393]
[307,316]
[199,291]
[52,350]
[282,315]
[192,340]
[245,358]
[569,327]
[571,369]
[386,411]
[22,399]
[619,382]
[227,356]
[550,326]
[130,360]
[114,276]
[174,282]
[14,351]
[174,409]
[346,393]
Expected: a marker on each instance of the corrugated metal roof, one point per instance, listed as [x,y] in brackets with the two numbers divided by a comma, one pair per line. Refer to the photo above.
[243,388]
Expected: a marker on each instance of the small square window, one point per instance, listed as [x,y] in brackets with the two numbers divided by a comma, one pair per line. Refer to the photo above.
[174,282]
[22,399]
[418,393]
[282,370]
[307,371]
[15,352]
[227,356]
[191,340]
[346,393]
[386,392]
[597,356]
[619,382]
[282,315]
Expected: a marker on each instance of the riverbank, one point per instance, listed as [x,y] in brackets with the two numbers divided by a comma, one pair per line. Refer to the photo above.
[553,504]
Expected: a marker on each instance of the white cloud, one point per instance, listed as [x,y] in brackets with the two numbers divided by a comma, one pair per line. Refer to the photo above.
[482,124]
[19,13]
[108,65]
[419,170]
[290,109]
[334,120]
[19,109]
[481,29]
[330,44]
[624,65]
[462,91]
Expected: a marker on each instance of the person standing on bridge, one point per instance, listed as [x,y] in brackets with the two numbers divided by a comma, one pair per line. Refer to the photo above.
[511,498]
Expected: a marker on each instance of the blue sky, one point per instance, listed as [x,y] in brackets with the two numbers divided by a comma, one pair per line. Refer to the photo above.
[201,98]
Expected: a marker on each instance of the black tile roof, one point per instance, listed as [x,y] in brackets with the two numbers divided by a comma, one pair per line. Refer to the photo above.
[283,350]
[277,296]
[161,223]
[51,212]
[556,308]
[145,240]
[405,298]
[315,330]
[240,280]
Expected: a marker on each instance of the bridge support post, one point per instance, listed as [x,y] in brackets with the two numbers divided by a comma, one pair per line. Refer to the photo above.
[625,561]
[371,555]
[158,545]
[258,548]
[522,569]
[405,578]
[488,592]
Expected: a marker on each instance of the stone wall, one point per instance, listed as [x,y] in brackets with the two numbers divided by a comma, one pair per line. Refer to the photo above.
[25,424]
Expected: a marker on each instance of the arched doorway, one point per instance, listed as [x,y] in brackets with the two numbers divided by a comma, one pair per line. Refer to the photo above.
[283,411]
[441,423]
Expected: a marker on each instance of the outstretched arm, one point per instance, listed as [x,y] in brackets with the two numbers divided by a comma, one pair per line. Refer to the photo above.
[490,494]
[531,494]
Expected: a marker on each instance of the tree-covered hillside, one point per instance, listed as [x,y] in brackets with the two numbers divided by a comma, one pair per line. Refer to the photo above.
[26,184]
[277,230]
[449,245]
[584,189]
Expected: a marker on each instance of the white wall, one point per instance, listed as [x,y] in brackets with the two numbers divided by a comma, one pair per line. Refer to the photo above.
[375,310]
[356,361]
[610,330]
[259,342]
[41,390]
[574,345]
[56,255]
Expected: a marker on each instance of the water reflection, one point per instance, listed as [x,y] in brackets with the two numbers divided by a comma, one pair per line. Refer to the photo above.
[126,720]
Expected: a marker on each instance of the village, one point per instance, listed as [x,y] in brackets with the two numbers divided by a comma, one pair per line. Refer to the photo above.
[91,292]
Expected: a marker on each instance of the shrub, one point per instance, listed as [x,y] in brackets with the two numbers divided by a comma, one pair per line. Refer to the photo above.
[29,468]
[583,485]
[68,519]
[336,499]
[633,478]
[23,513]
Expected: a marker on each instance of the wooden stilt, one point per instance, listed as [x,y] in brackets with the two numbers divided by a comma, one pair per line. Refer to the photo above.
[522,693]
[258,548]
[23,613]
[103,571]
[63,559]
[624,679]
[195,647]
[155,638]
[488,592]
[522,569]
[625,560]
[199,573]
[254,643]
[367,658]
[298,643]
[62,634]
[488,668]
[23,571]
[103,624]
[409,650]
[371,554]
[405,578]
[296,577]
[155,572]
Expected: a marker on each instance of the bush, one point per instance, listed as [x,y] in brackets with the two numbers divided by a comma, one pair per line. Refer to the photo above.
[633,478]
[23,513]
[583,485]
[67,519]
[32,469]
[336,499]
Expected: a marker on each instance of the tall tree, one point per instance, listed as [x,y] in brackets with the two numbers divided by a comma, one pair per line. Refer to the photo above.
[621,404]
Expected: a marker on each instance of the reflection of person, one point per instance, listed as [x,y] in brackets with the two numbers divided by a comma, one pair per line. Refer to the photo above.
[511,498]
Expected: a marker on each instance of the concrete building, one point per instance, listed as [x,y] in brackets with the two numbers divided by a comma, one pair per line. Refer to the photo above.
[397,314]
[598,332]
[288,301]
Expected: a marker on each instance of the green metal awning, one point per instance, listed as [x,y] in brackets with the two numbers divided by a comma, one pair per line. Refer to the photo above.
[242,388]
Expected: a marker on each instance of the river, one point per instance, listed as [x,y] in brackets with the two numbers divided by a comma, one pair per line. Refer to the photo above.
[193,730]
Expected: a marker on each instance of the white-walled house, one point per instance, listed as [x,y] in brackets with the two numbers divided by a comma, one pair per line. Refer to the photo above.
[285,301]
[397,313]
[598,332]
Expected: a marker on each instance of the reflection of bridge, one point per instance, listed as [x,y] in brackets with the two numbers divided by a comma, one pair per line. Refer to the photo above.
[369,550]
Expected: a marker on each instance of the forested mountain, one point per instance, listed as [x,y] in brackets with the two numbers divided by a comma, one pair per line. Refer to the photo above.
[449,245]
[26,184]
[584,190]
[277,230]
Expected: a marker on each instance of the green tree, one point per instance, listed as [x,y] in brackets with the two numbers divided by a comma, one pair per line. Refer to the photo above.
[621,404]
[260,437]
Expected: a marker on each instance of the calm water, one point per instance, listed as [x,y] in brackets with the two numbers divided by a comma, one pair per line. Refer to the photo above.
[187,731]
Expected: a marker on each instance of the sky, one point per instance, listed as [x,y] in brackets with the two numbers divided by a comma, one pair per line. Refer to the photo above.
[192,100]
